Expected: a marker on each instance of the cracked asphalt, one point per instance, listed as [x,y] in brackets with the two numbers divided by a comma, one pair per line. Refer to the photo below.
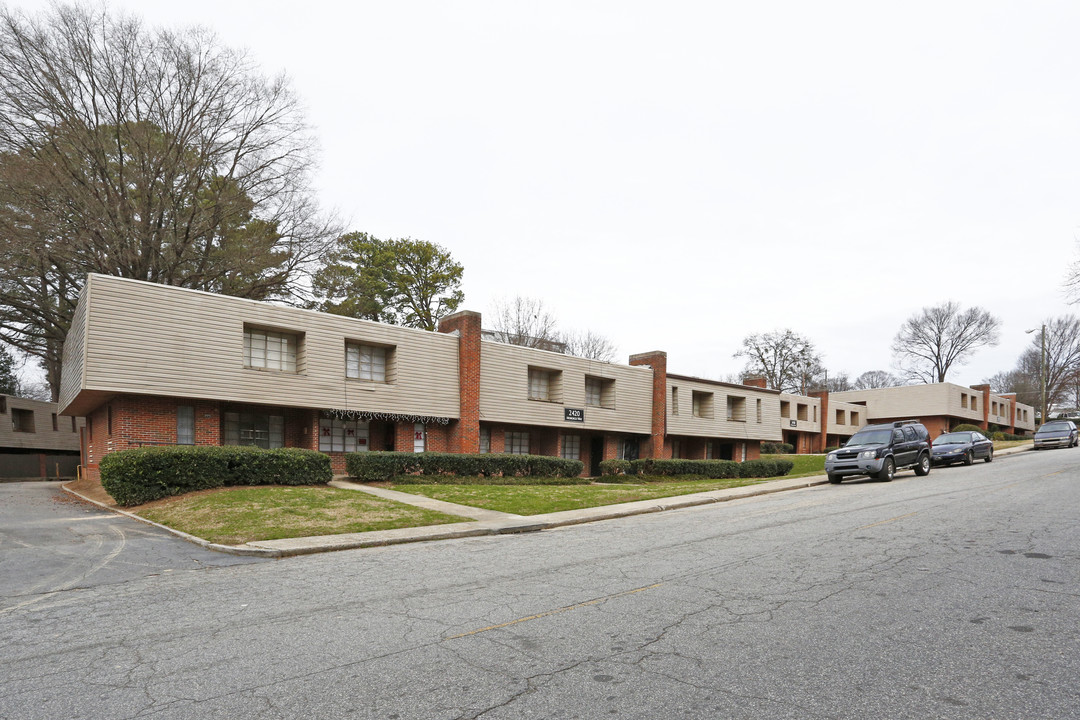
[951,596]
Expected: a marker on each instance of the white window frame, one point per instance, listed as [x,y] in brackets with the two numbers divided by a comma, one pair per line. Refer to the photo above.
[594,392]
[185,424]
[367,362]
[571,447]
[485,440]
[270,350]
[336,435]
[539,384]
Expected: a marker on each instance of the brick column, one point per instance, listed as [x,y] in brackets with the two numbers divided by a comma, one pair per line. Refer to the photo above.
[657,360]
[464,435]
[757,381]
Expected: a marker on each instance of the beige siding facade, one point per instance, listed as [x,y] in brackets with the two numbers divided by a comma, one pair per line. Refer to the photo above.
[846,418]
[504,390]
[143,338]
[28,425]
[938,399]
[712,418]
[799,413]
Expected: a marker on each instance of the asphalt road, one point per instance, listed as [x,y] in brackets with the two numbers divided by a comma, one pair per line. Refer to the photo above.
[955,595]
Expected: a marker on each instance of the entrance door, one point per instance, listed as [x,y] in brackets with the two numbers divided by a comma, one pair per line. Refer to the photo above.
[596,455]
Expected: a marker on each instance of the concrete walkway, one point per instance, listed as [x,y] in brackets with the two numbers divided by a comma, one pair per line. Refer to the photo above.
[487,522]
[427,503]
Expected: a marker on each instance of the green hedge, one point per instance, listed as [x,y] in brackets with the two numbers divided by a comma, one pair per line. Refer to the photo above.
[376,466]
[712,469]
[967,427]
[139,475]
[615,467]
[780,448]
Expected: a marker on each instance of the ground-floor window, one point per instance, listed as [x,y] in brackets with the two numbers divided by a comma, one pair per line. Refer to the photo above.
[517,443]
[709,452]
[676,449]
[259,429]
[185,425]
[571,447]
[629,449]
[343,435]
[485,439]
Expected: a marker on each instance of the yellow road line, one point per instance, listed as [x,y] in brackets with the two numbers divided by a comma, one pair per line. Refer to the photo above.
[556,611]
[898,517]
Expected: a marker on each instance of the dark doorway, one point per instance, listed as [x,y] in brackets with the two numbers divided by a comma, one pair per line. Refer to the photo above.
[726,451]
[596,454]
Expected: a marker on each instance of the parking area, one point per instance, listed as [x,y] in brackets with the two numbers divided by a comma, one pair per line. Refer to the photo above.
[51,542]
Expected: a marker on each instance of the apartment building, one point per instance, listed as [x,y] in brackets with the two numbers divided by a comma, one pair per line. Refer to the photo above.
[151,364]
[813,423]
[943,406]
[36,441]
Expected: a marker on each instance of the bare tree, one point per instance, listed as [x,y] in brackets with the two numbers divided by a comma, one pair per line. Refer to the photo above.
[787,360]
[589,344]
[934,340]
[150,154]
[872,379]
[1061,371]
[525,321]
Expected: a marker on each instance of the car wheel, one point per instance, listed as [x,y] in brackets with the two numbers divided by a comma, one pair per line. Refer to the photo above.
[969,457]
[990,456]
[835,479]
[887,470]
[923,466]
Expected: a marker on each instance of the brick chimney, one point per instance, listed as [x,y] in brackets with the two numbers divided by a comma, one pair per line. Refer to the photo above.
[464,435]
[657,360]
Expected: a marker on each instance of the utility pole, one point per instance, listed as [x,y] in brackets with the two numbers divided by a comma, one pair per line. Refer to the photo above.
[1042,372]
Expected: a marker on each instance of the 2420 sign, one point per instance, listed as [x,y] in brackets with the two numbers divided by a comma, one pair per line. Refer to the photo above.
[574,414]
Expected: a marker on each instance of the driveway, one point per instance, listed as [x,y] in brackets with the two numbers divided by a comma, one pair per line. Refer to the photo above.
[52,543]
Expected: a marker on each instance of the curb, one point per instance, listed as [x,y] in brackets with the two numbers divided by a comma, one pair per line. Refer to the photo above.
[478,528]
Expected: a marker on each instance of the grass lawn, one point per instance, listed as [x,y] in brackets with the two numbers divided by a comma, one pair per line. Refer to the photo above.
[232,516]
[539,499]
[1002,444]
[804,464]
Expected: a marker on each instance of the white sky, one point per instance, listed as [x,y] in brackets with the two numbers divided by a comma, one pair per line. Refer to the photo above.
[679,175]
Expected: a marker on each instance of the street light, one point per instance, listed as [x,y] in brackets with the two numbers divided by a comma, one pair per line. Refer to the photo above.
[1042,373]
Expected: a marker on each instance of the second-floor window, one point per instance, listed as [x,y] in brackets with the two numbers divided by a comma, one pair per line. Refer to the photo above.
[366,362]
[269,350]
[593,388]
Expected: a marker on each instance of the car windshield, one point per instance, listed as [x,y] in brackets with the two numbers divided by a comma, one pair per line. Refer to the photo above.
[1055,427]
[953,438]
[869,437]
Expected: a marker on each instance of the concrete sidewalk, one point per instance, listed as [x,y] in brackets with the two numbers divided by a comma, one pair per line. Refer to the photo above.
[485,522]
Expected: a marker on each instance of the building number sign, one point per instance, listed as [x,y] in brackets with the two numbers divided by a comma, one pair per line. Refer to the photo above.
[574,414]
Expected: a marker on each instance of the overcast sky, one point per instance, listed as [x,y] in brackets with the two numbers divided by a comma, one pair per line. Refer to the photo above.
[679,175]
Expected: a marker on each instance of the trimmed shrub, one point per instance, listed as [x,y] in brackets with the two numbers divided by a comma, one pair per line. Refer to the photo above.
[382,466]
[764,468]
[967,427]
[997,435]
[615,467]
[139,475]
[712,469]
[773,448]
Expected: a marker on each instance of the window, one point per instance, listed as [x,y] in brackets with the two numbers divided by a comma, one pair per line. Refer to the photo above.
[74,425]
[599,392]
[108,420]
[269,350]
[800,411]
[759,410]
[55,423]
[909,433]
[185,425]
[736,408]
[338,435]
[22,420]
[259,429]
[840,417]
[785,409]
[815,412]
[629,449]
[571,447]
[676,449]
[545,385]
[963,400]
[974,403]
[994,408]
[367,362]
[702,404]
[674,401]
[485,439]
[709,451]
[517,443]
[419,438]
[855,418]
[3,404]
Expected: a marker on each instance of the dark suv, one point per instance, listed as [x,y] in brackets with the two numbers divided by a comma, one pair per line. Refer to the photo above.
[880,450]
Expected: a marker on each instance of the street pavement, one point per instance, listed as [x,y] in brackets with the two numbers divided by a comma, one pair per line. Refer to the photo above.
[953,595]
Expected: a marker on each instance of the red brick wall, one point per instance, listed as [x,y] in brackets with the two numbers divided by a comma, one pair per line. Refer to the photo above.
[822,441]
[985,389]
[657,360]
[464,435]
